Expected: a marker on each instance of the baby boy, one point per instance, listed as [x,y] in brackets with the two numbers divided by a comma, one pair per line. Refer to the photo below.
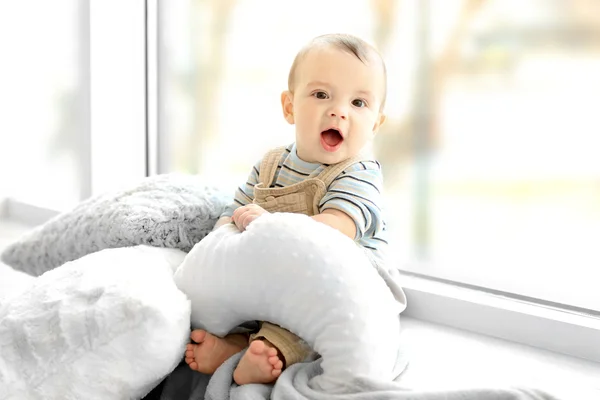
[335,98]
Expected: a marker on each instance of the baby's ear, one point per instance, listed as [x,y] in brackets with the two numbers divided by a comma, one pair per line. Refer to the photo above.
[287,105]
[380,120]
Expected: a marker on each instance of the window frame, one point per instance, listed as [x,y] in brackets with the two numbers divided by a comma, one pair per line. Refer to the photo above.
[554,327]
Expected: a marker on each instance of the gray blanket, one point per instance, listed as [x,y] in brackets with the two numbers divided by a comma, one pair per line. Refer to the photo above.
[185,384]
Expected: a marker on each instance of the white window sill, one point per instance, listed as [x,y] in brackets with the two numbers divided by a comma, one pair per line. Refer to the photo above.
[443,358]
[543,326]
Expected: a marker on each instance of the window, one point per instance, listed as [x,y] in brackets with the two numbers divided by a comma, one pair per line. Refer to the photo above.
[488,151]
[73,100]
[42,98]
[512,198]
[222,73]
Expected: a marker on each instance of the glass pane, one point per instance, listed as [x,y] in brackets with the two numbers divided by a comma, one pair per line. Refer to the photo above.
[504,196]
[222,74]
[514,172]
[40,122]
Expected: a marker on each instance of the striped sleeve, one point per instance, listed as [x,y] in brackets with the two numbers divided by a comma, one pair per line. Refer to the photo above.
[357,191]
[244,194]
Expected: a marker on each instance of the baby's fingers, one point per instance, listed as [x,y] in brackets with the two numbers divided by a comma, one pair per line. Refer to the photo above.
[238,212]
[248,218]
[240,216]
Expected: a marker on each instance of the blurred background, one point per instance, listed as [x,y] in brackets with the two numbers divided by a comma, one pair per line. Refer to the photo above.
[490,149]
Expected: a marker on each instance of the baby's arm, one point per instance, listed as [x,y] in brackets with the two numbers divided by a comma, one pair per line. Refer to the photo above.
[353,201]
[244,216]
[338,220]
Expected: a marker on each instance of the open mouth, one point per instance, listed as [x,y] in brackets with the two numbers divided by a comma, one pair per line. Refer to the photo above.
[331,139]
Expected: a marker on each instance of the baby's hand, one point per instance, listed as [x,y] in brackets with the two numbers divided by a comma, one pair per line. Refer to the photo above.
[243,216]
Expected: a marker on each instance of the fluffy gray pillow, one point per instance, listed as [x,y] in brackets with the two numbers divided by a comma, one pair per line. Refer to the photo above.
[170,210]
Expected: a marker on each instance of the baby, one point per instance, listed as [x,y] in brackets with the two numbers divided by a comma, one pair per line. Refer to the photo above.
[335,98]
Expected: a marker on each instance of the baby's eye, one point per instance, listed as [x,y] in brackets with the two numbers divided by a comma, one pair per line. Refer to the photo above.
[359,103]
[320,95]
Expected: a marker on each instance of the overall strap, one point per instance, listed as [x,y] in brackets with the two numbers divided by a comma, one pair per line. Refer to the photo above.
[331,172]
[268,166]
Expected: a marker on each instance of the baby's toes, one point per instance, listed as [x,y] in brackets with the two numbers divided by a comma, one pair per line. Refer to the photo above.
[276,363]
[273,360]
[271,351]
[198,335]
[257,347]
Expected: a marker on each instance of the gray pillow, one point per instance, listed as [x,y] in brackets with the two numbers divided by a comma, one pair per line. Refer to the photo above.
[170,210]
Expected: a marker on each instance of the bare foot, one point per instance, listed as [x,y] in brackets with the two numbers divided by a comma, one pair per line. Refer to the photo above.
[260,364]
[210,351]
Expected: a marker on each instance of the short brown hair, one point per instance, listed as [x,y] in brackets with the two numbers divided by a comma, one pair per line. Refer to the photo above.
[345,42]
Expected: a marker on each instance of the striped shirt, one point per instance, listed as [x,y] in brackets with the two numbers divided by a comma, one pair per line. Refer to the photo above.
[357,191]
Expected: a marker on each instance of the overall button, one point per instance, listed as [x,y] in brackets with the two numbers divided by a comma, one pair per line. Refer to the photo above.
[269,198]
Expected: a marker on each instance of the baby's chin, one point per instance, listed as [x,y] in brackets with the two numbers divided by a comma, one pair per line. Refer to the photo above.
[333,157]
[327,157]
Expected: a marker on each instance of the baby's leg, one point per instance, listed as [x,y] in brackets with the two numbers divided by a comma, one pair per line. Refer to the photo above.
[273,349]
[210,351]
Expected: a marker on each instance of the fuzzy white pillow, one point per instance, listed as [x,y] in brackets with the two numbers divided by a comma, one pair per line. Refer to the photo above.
[108,326]
[169,210]
[12,282]
[305,276]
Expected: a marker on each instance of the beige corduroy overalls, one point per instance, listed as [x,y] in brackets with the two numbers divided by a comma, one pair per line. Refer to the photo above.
[303,198]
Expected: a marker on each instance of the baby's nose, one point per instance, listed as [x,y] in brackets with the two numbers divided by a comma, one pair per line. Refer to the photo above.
[338,112]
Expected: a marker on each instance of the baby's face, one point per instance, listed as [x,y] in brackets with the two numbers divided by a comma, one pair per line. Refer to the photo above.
[336,105]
